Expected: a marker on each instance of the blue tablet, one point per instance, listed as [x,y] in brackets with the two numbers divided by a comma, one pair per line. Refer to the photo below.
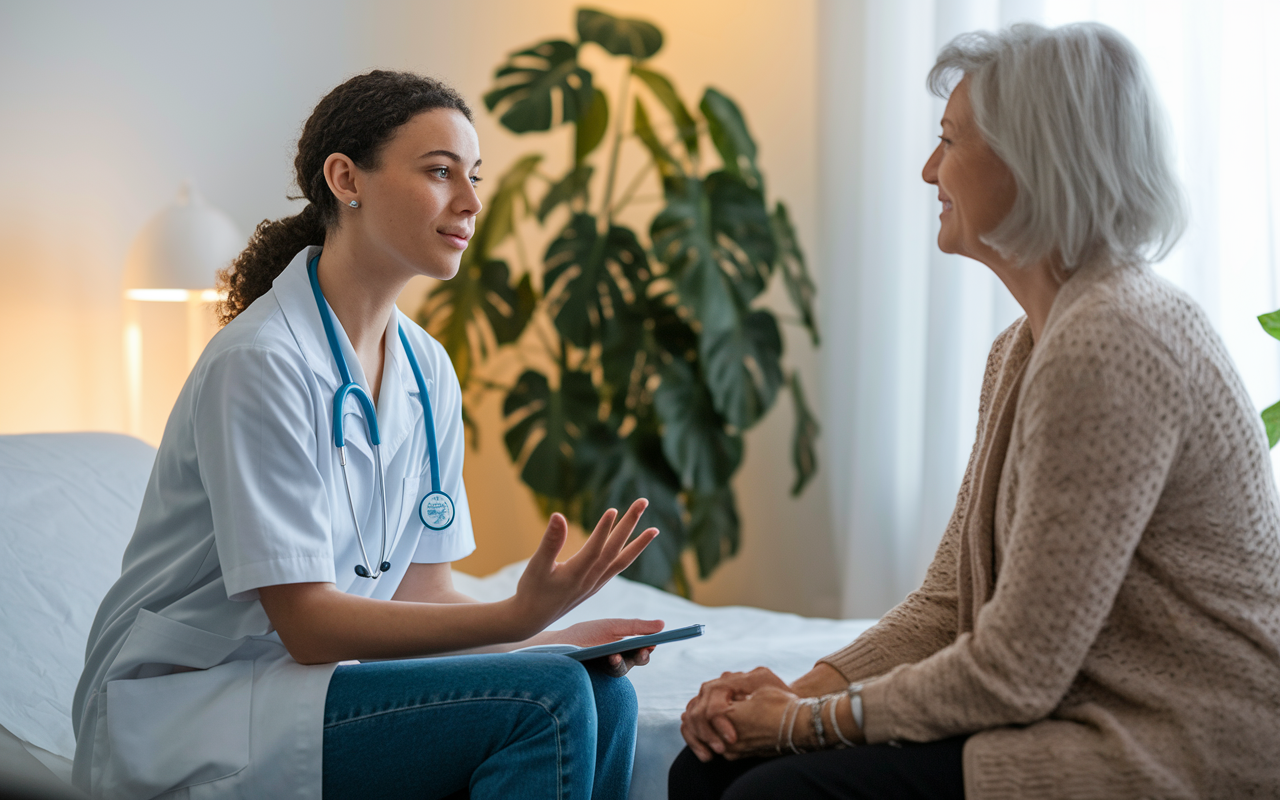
[621,646]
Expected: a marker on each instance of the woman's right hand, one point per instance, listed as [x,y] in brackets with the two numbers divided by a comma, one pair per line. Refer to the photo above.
[705,725]
[549,589]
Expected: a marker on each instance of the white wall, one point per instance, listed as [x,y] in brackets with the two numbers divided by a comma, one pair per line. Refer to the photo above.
[105,108]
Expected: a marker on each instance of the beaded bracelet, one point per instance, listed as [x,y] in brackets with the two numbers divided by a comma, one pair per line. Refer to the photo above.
[815,708]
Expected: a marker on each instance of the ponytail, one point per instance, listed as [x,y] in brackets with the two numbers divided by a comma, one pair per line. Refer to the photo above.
[356,119]
[273,245]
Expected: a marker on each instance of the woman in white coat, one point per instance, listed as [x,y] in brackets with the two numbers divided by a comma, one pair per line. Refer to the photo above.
[265,553]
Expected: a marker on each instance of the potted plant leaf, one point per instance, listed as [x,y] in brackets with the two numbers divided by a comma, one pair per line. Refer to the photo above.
[653,350]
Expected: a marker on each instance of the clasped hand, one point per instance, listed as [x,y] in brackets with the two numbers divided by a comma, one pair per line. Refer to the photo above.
[737,715]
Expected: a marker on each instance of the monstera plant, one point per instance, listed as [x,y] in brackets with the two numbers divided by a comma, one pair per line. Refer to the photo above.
[643,356]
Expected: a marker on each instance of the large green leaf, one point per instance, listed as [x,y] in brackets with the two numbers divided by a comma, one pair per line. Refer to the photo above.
[683,239]
[622,37]
[804,442]
[526,82]
[596,284]
[591,126]
[499,218]
[739,215]
[671,331]
[1271,419]
[742,367]
[1271,323]
[795,272]
[564,190]
[715,237]
[630,468]
[729,134]
[714,529]
[668,167]
[662,89]
[694,438]
[546,429]
[480,296]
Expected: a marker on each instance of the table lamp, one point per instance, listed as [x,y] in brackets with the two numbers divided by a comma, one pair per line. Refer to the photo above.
[169,285]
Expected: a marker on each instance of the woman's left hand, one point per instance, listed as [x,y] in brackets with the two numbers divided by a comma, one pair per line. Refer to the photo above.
[604,631]
[756,721]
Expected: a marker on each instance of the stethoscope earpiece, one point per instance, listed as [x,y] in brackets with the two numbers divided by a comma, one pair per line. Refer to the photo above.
[440,513]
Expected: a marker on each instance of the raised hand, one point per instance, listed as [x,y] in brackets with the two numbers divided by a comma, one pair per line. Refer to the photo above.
[549,589]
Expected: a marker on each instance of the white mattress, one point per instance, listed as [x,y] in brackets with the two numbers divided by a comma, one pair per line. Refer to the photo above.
[68,503]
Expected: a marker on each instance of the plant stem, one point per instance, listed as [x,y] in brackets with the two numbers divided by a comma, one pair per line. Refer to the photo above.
[607,208]
[551,350]
[630,191]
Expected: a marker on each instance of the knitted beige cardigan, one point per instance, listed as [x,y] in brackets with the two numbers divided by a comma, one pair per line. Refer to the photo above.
[1103,612]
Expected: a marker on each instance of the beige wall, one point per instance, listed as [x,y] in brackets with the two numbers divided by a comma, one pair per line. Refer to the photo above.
[105,108]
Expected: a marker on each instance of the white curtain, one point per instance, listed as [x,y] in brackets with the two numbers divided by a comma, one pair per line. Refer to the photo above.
[908,328]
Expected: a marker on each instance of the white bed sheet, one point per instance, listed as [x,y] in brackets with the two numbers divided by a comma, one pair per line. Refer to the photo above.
[736,638]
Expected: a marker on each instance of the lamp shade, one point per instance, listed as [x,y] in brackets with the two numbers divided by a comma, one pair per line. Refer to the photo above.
[182,248]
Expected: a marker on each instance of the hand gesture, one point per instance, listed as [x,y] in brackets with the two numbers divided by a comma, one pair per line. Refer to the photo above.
[549,589]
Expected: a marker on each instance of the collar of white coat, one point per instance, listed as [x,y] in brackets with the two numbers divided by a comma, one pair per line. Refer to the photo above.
[398,415]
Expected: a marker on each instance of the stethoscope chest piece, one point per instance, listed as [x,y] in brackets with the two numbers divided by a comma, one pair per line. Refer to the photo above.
[436,511]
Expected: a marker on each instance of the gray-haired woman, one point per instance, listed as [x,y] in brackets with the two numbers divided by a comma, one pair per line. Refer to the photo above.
[1102,617]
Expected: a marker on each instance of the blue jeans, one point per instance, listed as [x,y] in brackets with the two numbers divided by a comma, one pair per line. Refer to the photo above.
[509,725]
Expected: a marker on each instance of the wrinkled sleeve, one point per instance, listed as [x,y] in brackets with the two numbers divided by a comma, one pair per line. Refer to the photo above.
[1097,431]
[255,434]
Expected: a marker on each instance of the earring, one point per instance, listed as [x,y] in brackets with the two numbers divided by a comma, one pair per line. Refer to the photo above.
[354,204]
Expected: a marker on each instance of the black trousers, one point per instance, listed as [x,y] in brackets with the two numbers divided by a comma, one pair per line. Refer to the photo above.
[930,771]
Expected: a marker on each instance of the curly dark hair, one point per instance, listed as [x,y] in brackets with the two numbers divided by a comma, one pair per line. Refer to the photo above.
[356,119]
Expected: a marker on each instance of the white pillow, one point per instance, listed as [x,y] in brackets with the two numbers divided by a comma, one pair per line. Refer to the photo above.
[68,506]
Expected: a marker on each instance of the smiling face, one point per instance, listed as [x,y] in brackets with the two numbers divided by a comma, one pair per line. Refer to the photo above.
[975,187]
[418,205]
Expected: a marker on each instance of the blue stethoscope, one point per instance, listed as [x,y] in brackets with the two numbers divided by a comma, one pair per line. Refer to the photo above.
[436,508]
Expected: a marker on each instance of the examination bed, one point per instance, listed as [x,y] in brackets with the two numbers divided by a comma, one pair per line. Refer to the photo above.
[68,503]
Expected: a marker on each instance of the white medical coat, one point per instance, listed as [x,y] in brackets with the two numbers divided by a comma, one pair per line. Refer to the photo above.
[246,492]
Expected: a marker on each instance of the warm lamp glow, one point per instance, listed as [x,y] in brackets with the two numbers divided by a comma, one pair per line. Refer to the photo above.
[174,295]
[133,374]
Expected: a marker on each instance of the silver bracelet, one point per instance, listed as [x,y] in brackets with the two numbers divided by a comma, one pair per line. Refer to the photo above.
[855,706]
[833,701]
[815,708]
[782,723]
